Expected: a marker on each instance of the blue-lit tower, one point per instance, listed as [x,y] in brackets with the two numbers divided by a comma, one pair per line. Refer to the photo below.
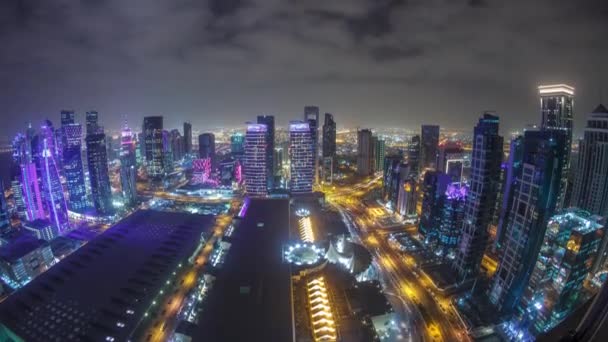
[72,166]
[97,160]
[128,166]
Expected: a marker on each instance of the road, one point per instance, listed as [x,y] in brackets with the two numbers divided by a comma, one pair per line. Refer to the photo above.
[162,326]
[429,314]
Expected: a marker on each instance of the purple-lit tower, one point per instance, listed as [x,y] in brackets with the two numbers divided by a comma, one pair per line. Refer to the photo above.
[301,153]
[22,154]
[52,189]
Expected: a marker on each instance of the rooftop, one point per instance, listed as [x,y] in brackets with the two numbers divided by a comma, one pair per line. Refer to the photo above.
[252,290]
[103,289]
[20,246]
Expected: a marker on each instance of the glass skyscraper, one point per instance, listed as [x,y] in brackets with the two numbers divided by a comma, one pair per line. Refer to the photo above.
[535,200]
[72,166]
[52,189]
[254,162]
[481,198]
[98,172]
[128,166]
[187,137]
[311,115]
[429,145]
[301,156]
[153,141]
[557,106]
[268,120]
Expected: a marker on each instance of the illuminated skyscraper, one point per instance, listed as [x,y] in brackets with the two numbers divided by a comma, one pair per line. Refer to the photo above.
[72,166]
[311,115]
[237,143]
[92,122]
[153,136]
[177,145]
[301,151]
[268,120]
[413,156]
[534,203]
[187,137]
[168,156]
[98,172]
[379,153]
[512,173]
[450,160]
[128,167]
[5,223]
[329,148]
[18,196]
[254,163]
[591,175]
[365,153]
[481,197]
[555,288]
[67,117]
[429,145]
[452,215]
[206,146]
[23,154]
[52,190]
[557,106]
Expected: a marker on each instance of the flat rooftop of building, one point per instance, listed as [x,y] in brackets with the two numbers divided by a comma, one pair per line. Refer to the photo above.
[251,297]
[103,289]
[20,246]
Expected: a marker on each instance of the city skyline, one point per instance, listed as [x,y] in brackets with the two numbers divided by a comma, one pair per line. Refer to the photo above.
[367,63]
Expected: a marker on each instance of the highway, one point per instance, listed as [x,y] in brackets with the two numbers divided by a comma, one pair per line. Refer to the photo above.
[430,315]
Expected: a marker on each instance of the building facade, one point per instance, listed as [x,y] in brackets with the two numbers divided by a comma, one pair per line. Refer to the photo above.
[128,166]
[481,198]
[301,155]
[153,140]
[52,189]
[187,137]
[72,166]
[268,120]
[534,203]
[365,153]
[99,178]
[254,161]
[311,115]
[429,145]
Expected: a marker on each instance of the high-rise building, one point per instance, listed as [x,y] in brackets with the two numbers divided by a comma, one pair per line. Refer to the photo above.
[429,145]
[434,186]
[254,163]
[177,145]
[23,155]
[413,156]
[301,151]
[153,137]
[72,166]
[407,195]
[365,152]
[379,153]
[18,197]
[206,146]
[569,247]
[452,215]
[391,179]
[329,136]
[67,117]
[92,122]
[128,166]
[591,175]
[97,161]
[52,189]
[481,198]
[556,107]
[268,120]
[512,172]
[5,223]
[168,156]
[329,149]
[311,115]
[450,160]
[534,203]
[237,143]
[187,137]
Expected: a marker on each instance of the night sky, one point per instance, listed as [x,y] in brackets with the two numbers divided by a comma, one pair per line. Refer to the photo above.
[372,63]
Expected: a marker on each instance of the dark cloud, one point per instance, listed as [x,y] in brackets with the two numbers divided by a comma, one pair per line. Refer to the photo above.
[372,62]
